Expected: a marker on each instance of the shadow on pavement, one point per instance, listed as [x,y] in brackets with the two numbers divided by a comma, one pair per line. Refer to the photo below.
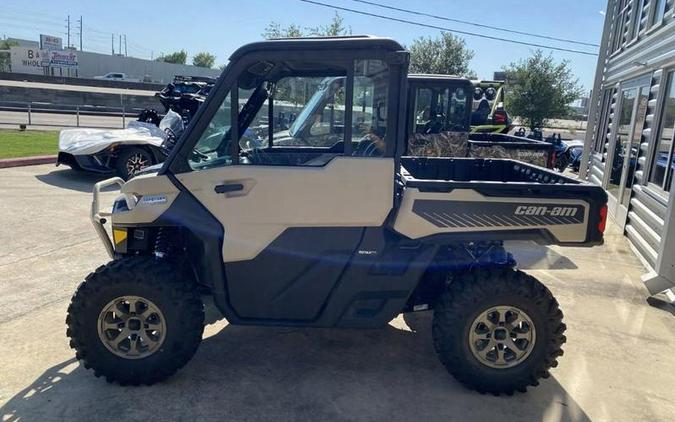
[531,256]
[278,374]
[71,179]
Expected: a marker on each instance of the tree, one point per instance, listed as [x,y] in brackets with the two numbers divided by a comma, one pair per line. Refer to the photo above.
[275,30]
[5,60]
[539,88]
[178,57]
[204,59]
[445,55]
[336,27]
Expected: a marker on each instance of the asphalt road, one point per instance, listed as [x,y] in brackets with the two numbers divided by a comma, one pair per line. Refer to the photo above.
[55,121]
[618,363]
[78,88]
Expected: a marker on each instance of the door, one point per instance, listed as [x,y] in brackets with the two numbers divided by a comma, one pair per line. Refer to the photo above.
[309,173]
[625,146]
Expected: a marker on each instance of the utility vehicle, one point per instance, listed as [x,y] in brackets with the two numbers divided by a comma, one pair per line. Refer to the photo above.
[331,229]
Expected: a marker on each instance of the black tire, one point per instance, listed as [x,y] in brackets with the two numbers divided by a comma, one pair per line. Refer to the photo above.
[169,288]
[468,295]
[127,157]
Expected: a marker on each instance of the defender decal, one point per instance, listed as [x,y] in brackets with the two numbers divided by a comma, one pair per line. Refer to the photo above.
[488,214]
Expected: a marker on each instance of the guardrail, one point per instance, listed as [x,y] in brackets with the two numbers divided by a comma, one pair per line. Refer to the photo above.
[24,77]
[47,114]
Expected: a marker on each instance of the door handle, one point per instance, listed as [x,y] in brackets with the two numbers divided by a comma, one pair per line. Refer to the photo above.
[229,187]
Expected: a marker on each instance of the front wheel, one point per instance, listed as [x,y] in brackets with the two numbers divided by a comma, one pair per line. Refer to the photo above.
[132,160]
[135,320]
[498,331]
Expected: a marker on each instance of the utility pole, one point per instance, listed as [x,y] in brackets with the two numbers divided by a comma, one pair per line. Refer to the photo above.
[80,28]
[112,44]
[68,27]
[125,45]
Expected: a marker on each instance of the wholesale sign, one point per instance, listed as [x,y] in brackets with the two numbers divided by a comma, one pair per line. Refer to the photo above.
[33,60]
[28,60]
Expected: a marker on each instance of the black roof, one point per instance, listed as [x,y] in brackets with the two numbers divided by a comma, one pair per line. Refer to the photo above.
[314,43]
[432,76]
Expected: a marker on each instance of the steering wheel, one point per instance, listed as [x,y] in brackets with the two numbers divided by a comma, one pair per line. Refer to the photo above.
[368,147]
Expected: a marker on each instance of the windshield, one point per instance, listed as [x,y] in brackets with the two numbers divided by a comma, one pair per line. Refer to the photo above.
[173,122]
[314,103]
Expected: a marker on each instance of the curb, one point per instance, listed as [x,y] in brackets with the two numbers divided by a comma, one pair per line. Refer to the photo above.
[27,161]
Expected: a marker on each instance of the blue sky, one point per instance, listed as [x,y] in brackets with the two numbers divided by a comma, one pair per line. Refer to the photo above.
[153,27]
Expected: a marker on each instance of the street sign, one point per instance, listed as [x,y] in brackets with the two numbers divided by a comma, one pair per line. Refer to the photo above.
[50,42]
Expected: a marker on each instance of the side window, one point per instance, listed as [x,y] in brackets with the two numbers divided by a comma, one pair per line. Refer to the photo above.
[369,109]
[213,147]
[296,114]
[422,109]
[307,112]
[440,110]
[663,162]
[456,109]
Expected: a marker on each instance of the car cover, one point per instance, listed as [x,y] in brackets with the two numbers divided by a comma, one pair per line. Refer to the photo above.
[90,141]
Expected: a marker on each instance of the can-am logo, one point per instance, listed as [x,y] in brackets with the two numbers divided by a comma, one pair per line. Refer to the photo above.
[547,211]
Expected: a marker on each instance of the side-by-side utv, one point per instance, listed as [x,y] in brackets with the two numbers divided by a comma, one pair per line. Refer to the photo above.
[327,225]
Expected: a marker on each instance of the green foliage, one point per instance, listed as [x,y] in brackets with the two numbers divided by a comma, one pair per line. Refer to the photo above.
[178,57]
[539,88]
[15,143]
[336,27]
[445,55]
[5,60]
[204,59]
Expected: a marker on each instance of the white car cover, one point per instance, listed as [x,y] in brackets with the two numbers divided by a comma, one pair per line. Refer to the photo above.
[90,141]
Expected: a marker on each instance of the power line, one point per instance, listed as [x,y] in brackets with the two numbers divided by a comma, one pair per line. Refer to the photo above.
[480,25]
[375,15]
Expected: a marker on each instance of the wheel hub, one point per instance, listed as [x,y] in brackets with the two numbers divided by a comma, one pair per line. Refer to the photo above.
[131,327]
[136,163]
[502,337]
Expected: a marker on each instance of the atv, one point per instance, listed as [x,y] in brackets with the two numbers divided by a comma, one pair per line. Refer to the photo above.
[326,226]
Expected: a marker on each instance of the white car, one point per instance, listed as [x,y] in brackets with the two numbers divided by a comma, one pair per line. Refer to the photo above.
[117,76]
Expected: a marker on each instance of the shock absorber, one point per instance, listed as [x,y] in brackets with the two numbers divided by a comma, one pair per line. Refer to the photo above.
[161,243]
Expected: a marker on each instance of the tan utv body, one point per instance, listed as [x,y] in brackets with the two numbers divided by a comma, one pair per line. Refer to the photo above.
[282,207]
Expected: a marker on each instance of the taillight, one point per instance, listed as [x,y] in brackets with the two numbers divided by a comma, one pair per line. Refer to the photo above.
[499,117]
[551,160]
[603,219]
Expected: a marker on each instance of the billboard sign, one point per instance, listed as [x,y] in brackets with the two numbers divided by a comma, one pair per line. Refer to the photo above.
[49,42]
[66,58]
[28,60]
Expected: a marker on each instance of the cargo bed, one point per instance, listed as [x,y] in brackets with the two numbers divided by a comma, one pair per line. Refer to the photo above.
[498,199]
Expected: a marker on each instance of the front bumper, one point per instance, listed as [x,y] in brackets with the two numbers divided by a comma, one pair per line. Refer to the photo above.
[96,163]
[99,218]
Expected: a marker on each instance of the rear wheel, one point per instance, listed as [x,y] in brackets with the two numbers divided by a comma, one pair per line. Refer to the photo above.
[135,320]
[498,331]
[131,161]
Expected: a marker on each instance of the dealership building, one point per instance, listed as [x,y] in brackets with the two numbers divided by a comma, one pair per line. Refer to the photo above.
[629,142]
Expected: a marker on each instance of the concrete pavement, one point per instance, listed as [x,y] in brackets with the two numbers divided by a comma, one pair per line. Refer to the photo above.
[617,366]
